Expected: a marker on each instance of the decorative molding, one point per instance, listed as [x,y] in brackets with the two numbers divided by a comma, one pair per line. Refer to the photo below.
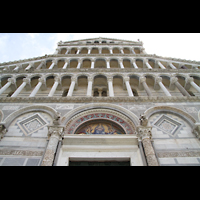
[172,154]
[20,152]
[85,99]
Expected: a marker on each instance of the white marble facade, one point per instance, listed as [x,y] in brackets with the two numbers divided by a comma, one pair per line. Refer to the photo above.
[154,100]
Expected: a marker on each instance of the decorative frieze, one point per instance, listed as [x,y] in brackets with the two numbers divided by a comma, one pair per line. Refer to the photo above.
[174,154]
[85,99]
[20,152]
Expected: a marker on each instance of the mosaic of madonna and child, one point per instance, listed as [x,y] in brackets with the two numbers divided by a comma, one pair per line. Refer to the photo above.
[100,128]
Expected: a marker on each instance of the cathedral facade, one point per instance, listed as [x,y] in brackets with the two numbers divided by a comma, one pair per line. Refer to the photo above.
[100,102]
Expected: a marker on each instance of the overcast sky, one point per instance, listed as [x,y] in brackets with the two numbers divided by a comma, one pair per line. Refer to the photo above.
[17,46]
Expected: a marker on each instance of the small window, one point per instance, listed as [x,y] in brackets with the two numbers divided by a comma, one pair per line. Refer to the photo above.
[104,42]
[96,41]
[88,42]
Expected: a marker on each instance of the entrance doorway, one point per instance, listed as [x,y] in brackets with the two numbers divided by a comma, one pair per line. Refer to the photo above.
[93,163]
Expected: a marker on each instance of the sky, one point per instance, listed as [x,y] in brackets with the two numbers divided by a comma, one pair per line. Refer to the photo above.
[17,46]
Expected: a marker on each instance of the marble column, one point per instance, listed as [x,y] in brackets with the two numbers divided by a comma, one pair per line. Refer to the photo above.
[79,64]
[53,63]
[193,84]
[55,85]
[89,88]
[71,89]
[7,85]
[130,92]
[111,51]
[161,65]
[21,87]
[143,82]
[29,66]
[121,63]
[92,64]
[174,80]
[172,66]
[54,135]
[147,64]
[110,86]
[121,50]
[133,51]
[40,65]
[65,65]
[67,51]
[134,64]
[164,89]
[107,63]
[78,51]
[89,50]
[144,135]
[37,87]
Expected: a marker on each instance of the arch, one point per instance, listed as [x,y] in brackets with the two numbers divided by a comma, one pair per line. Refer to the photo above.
[63,50]
[100,63]
[127,63]
[34,81]
[73,63]
[126,50]
[81,87]
[114,63]
[94,51]
[84,50]
[60,63]
[86,64]
[118,86]
[73,50]
[139,63]
[105,50]
[34,108]
[4,80]
[116,50]
[137,50]
[75,117]
[173,110]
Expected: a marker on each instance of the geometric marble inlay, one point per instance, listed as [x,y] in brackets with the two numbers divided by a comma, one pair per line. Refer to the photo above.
[31,124]
[167,125]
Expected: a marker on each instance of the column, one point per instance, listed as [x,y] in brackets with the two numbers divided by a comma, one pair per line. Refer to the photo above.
[89,50]
[89,88]
[55,85]
[17,68]
[108,63]
[54,135]
[40,65]
[172,66]
[7,85]
[37,87]
[21,87]
[71,89]
[110,86]
[121,50]
[164,89]
[174,80]
[133,51]
[191,81]
[29,66]
[134,64]
[147,64]
[67,51]
[100,50]
[143,81]
[111,51]
[65,65]
[121,63]
[78,51]
[92,64]
[144,135]
[161,65]
[130,93]
[79,64]
[53,63]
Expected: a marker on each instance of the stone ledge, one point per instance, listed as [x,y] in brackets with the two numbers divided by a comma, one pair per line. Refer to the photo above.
[83,99]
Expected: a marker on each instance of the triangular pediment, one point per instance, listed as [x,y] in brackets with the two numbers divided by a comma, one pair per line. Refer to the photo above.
[100,39]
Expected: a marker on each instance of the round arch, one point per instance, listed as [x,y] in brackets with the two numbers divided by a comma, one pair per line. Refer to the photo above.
[164,109]
[35,108]
[126,119]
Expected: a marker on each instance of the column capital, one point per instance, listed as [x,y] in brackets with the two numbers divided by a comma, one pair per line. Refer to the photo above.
[12,80]
[110,78]
[26,80]
[126,78]
[55,131]
[158,79]
[90,78]
[142,79]
[144,132]
[57,79]
[189,79]
[74,78]
[173,80]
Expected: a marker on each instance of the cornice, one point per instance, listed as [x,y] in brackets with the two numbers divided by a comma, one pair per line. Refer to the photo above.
[153,99]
